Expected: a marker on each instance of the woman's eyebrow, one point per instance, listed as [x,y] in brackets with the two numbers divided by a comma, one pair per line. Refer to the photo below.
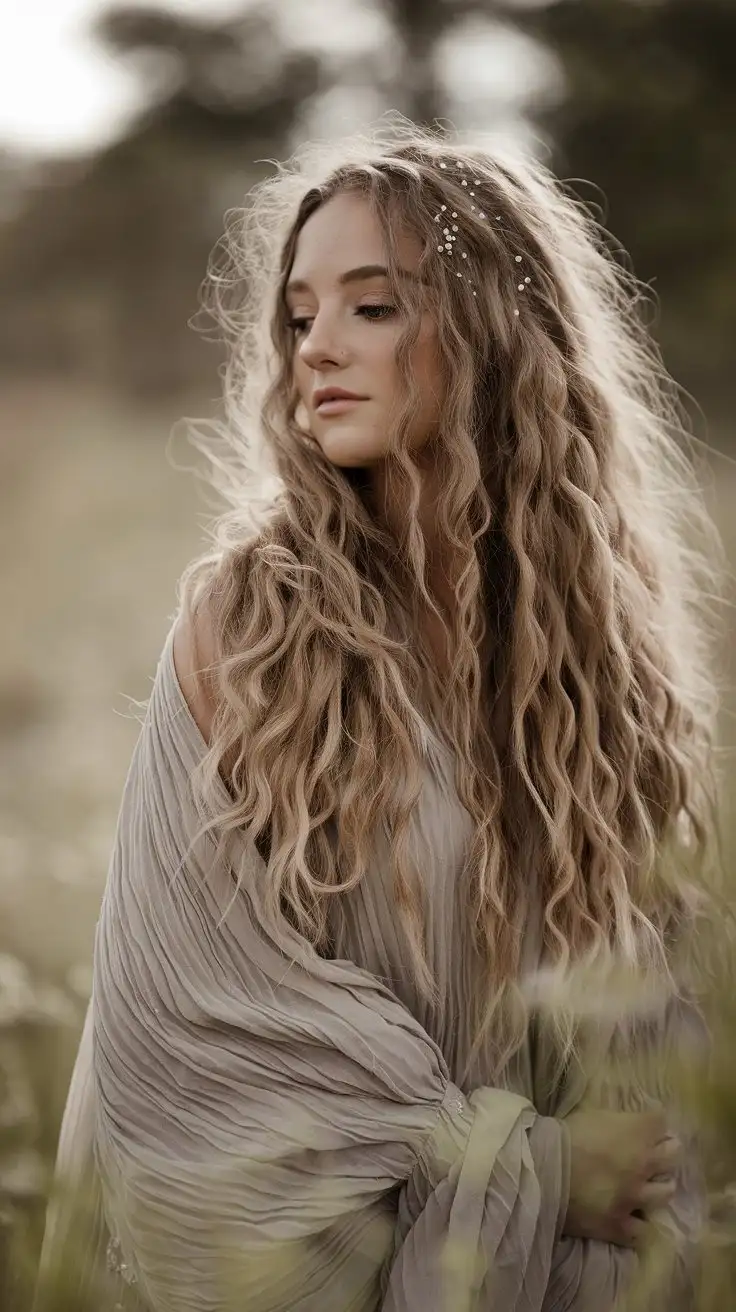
[361,274]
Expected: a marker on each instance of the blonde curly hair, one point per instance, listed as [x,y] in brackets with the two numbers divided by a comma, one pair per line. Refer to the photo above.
[584,752]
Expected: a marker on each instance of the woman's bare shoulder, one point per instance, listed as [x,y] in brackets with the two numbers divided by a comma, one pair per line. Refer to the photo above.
[194,650]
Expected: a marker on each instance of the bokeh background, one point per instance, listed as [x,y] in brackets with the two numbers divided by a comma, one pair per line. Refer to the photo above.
[125,135]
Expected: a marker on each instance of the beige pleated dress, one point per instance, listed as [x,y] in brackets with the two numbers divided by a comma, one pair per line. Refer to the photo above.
[266,1130]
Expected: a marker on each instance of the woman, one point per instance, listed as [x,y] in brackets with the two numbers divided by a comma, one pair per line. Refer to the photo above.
[430,734]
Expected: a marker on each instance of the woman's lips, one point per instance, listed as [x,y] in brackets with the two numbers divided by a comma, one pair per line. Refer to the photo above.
[337,405]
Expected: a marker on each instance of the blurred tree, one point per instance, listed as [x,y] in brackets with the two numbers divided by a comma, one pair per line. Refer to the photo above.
[649,116]
[99,274]
[420,27]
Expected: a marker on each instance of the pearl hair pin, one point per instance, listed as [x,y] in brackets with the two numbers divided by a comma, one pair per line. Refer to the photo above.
[451,228]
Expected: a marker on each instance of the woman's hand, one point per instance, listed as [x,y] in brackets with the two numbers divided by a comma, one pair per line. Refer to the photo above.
[622,1165]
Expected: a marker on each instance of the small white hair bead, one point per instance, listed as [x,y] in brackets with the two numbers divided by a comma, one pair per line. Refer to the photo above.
[450,235]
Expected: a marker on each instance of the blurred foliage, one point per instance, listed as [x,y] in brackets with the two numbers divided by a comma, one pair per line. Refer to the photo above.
[707,1099]
[99,272]
[648,117]
[37,1019]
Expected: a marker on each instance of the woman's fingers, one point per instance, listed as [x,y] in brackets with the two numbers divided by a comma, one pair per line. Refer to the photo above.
[652,1125]
[623,1168]
[655,1193]
[630,1231]
[665,1156]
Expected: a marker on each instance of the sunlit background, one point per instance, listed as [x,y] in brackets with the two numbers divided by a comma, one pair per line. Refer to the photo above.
[125,134]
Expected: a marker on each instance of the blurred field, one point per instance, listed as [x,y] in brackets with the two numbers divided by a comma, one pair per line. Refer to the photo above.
[96,527]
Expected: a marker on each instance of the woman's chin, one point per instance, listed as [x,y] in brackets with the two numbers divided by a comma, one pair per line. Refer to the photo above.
[345,444]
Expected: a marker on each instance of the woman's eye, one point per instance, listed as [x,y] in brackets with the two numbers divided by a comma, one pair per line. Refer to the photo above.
[380,311]
[372,312]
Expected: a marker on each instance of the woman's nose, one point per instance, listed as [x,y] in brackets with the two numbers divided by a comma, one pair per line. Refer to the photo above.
[320,345]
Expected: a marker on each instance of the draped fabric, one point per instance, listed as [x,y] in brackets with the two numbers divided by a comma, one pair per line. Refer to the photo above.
[267,1130]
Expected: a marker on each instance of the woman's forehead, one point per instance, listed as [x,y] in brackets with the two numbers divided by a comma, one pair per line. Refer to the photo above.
[343,234]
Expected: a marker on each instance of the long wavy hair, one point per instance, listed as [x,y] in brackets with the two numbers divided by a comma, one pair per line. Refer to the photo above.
[583,747]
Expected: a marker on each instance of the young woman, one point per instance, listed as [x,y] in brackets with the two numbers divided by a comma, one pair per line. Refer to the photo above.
[431,733]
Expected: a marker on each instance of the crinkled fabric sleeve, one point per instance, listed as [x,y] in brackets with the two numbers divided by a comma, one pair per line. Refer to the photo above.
[481,1214]
[276,1131]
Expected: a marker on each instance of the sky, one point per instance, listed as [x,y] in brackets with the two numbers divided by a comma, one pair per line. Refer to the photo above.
[61,94]
[58,91]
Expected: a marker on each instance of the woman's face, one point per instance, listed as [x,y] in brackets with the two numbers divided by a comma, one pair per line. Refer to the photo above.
[345,330]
